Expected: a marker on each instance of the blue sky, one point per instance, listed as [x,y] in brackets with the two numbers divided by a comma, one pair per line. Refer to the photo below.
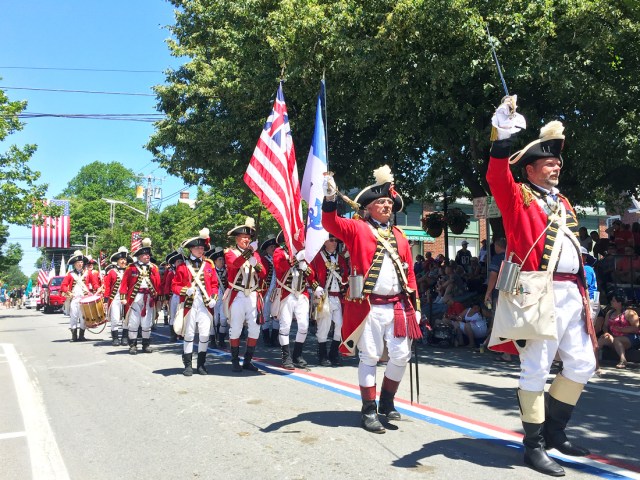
[89,34]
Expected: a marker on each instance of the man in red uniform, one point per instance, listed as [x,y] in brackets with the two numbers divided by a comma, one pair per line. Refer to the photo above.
[385,309]
[332,275]
[93,277]
[74,287]
[112,281]
[138,291]
[542,230]
[242,301]
[173,259]
[294,277]
[197,284]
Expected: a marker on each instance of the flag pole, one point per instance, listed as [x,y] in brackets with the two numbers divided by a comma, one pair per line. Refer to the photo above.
[326,123]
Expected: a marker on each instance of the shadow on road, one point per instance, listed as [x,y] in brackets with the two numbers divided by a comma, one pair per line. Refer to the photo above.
[326,418]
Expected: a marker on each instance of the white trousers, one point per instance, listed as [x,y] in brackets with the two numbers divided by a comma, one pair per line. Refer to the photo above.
[219,318]
[378,329]
[76,319]
[331,314]
[173,307]
[290,307]
[136,319]
[573,344]
[244,309]
[114,312]
[200,318]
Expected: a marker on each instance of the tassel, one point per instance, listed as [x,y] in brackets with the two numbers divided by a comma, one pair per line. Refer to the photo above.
[414,328]
[399,326]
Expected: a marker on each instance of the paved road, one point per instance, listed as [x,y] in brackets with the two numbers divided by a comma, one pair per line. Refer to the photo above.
[90,410]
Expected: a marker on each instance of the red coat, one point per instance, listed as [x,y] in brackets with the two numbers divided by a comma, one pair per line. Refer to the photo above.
[282,265]
[169,274]
[90,282]
[183,280]
[234,262]
[110,280]
[130,278]
[361,243]
[320,269]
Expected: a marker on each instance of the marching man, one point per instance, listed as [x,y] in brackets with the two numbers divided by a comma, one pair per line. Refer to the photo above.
[197,284]
[242,299]
[332,274]
[74,287]
[138,290]
[271,326]
[542,236]
[220,324]
[294,276]
[92,276]
[112,281]
[385,308]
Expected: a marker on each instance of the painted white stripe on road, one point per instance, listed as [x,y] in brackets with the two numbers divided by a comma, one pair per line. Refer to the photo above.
[46,461]
[4,436]
[80,365]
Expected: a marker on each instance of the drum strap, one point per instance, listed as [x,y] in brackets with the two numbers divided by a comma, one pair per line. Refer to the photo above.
[116,286]
[79,279]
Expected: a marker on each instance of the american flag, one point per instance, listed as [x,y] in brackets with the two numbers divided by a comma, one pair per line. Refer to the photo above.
[272,174]
[136,241]
[54,231]
[103,259]
[52,270]
[43,273]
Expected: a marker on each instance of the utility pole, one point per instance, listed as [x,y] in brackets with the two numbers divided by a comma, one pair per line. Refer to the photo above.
[149,192]
[86,242]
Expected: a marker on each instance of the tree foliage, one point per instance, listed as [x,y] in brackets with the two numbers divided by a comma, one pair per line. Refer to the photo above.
[102,180]
[411,83]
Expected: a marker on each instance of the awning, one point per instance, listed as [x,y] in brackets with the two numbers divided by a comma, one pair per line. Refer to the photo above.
[418,236]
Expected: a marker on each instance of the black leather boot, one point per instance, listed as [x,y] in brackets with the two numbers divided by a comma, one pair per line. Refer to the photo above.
[202,359]
[186,360]
[74,334]
[387,407]
[287,364]
[81,336]
[557,415]
[212,341]
[370,421]
[133,347]
[235,359]
[125,337]
[535,456]
[266,337]
[275,341]
[248,356]
[323,361]
[173,337]
[221,343]
[146,345]
[114,338]
[298,361]
[334,354]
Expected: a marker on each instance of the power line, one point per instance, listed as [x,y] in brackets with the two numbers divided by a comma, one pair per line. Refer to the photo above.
[130,117]
[79,91]
[85,69]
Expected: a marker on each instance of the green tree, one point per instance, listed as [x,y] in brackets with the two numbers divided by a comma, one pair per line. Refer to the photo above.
[12,254]
[411,83]
[98,179]
[21,196]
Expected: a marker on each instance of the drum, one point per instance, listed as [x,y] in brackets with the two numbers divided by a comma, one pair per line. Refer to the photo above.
[93,311]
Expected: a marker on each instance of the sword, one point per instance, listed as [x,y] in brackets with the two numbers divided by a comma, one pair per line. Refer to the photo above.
[495,59]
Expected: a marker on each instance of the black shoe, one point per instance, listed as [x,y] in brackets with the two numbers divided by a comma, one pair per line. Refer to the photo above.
[133,349]
[287,364]
[221,343]
[125,337]
[186,361]
[370,421]
[173,337]
[323,361]
[535,456]
[81,336]
[557,415]
[247,364]
[74,334]
[202,359]
[387,408]
[298,361]
[275,340]
[235,360]
[212,341]
[146,345]
[115,342]
[334,354]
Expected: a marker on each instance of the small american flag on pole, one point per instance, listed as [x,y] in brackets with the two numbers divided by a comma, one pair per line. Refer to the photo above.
[272,174]
[136,241]
[54,231]
[43,273]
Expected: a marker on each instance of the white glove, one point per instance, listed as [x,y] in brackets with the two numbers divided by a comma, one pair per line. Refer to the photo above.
[319,291]
[300,255]
[254,245]
[302,265]
[253,261]
[190,292]
[506,121]
[212,303]
[329,187]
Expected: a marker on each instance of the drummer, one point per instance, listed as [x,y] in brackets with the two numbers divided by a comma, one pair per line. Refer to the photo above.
[112,281]
[74,287]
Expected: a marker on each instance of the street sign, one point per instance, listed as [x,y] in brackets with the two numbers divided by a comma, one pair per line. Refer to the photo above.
[485,207]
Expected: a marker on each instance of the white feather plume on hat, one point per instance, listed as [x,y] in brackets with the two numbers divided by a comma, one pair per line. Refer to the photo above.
[204,233]
[250,222]
[123,250]
[553,129]
[383,175]
[146,242]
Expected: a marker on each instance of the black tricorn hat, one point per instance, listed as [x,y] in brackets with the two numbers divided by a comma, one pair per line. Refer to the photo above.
[202,240]
[78,257]
[549,145]
[280,238]
[145,248]
[383,188]
[172,257]
[215,253]
[270,240]
[249,228]
[121,253]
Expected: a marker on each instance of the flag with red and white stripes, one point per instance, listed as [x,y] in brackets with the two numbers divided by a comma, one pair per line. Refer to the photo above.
[136,241]
[272,174]
[43,273]
[54,231]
